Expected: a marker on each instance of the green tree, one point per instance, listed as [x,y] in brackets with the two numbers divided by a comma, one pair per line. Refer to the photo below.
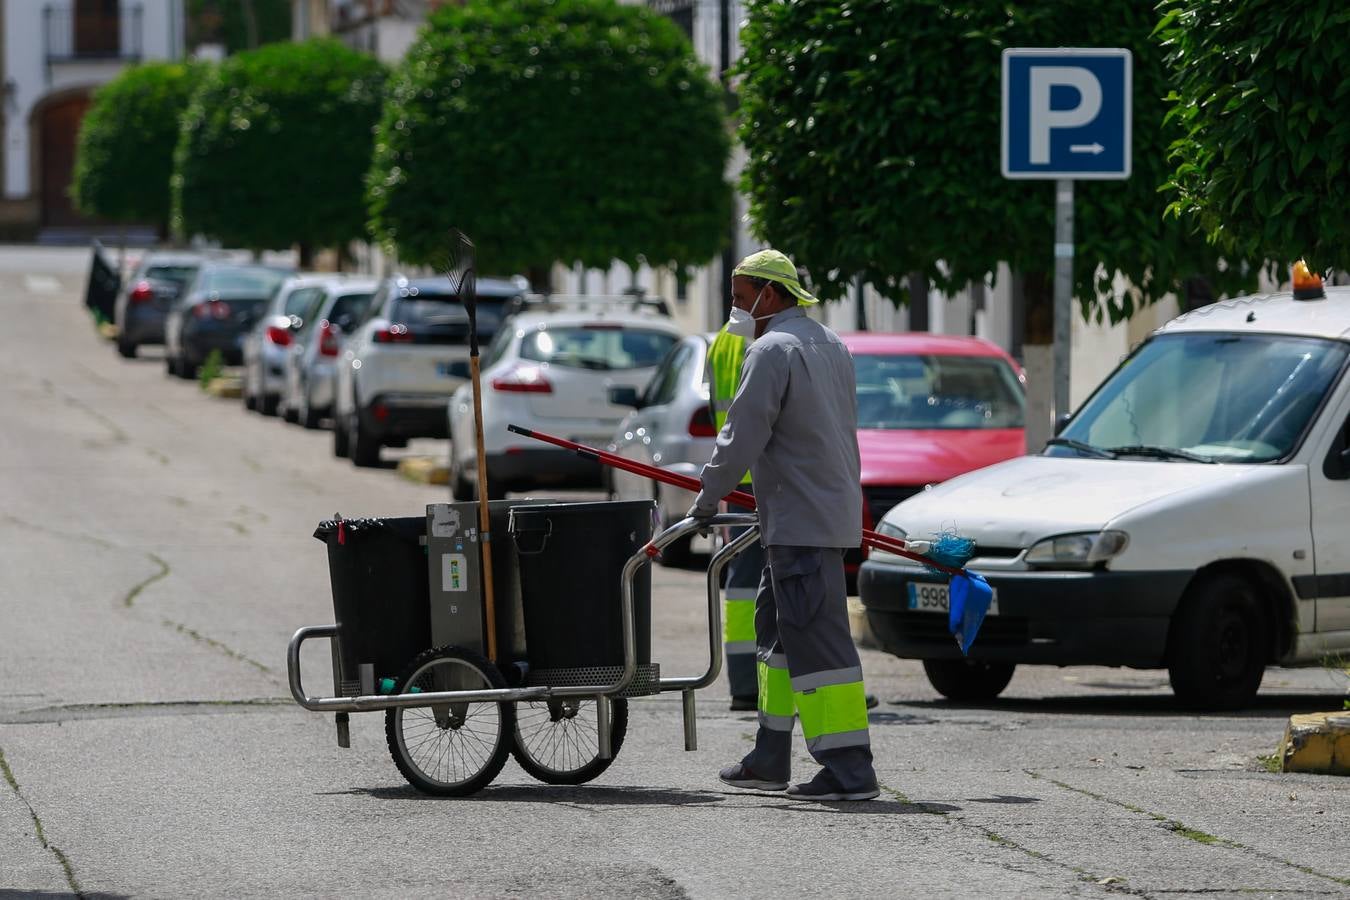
[1263,104]
[124,157]
[872,129]
[274,145]
[552,130]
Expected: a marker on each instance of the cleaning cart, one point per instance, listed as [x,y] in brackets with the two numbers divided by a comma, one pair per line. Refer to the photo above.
[570,631]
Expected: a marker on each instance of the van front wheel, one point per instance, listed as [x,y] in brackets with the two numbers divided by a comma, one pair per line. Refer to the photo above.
[1216,648]
[968,679]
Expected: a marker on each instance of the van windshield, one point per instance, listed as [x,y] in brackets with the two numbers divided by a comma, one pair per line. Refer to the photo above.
[1209,397]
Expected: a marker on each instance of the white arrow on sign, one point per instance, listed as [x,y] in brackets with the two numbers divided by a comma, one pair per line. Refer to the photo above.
[1093,148]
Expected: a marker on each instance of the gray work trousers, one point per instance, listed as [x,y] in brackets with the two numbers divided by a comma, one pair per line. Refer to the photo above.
[801,626]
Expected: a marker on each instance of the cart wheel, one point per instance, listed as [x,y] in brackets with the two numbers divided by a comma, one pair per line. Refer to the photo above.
[452,749]
[557,740]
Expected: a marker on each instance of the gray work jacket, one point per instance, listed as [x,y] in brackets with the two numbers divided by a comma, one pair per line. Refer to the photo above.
[794,424]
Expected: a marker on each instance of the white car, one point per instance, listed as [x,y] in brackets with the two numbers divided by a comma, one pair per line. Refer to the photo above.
[1190,516]
[408,354]
[270,339]
[311,364]
[553,371]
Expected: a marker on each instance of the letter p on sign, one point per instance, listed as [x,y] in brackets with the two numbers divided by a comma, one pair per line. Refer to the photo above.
[1066,113]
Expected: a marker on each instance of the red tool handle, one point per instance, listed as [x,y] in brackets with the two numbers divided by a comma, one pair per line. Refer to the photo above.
[870,538]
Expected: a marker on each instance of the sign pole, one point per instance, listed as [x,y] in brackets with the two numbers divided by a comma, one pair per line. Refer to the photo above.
[1063,293]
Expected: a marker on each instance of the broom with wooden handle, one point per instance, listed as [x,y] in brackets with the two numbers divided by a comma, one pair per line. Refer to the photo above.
[464,282]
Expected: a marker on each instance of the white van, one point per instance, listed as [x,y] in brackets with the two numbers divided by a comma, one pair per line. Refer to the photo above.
[1193,514]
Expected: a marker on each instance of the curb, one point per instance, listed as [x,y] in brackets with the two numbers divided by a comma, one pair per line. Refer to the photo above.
[1318,743]
[227,386]
[424,470]
[859,627]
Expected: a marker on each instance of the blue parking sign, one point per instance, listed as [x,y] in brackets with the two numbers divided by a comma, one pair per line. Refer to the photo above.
[1066,113]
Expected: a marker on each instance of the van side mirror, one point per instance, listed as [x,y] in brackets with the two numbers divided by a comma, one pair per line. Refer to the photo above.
[625,396]
[1062,422]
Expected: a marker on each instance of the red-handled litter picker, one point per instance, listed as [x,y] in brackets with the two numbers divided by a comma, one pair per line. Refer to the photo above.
[970,594]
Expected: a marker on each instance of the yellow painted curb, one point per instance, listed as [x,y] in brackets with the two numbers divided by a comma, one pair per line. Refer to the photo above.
[1318,743]
[230,386]
[108,331]
[859,627]
[424,470]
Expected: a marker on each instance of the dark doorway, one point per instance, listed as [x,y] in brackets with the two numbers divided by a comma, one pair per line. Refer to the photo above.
[58,126]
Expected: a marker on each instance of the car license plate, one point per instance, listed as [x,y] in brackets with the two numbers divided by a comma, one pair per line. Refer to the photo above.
[925,597]
[457,369]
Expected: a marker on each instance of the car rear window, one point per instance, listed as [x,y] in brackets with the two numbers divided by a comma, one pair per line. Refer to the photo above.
[179,275]
[936,391]
[601,347]
[242,281]
[424,308]
[300,301]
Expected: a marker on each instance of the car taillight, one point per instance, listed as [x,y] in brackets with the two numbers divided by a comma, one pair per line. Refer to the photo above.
[328,339]
[279,336]
[141,293]
[212,309]
[522,380]
[701,423]
[393,334]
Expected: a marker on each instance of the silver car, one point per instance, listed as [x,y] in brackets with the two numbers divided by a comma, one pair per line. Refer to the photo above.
[311,364]
[266,345]
[671,426]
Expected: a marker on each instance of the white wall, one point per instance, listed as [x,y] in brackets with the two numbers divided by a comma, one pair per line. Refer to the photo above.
[26,67]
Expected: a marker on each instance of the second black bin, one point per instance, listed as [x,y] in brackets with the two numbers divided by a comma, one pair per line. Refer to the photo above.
[571,559]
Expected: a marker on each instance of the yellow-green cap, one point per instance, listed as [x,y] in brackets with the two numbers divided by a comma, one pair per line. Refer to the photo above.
[775,266]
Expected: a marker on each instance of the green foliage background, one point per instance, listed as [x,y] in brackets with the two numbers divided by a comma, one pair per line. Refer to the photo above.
[872,128]
[274,145]
[552,130]
[1262,102]
[124,157]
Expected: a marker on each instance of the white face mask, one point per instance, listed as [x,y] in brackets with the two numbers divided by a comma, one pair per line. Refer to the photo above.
[742,322]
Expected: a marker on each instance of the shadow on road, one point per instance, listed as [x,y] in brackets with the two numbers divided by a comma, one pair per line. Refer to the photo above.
[1265,706]
[574,796]
[868,808]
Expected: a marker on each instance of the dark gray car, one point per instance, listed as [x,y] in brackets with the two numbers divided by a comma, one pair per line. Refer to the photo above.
[215,312]
[143,302]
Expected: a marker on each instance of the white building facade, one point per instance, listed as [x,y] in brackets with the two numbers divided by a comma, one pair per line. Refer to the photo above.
[53,54]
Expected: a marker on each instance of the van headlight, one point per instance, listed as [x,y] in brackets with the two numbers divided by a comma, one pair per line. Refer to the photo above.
[1078,551]
[890,529]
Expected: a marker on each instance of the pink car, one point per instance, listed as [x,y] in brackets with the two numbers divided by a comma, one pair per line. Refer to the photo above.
[931,407]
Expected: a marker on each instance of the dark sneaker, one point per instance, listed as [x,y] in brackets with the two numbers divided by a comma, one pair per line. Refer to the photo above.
[744,704]
[824,787]
[872,701]
[738,776]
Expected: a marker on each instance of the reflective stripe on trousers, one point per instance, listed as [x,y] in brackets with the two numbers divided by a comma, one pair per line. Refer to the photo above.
[775,693]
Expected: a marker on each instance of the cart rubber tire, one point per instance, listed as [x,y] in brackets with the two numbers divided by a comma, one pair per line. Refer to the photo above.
[341,440]
[483,764]
[588,765]
[968,679]
[1216,646]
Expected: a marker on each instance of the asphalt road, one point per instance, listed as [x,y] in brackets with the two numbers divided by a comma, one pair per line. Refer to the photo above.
[156,555]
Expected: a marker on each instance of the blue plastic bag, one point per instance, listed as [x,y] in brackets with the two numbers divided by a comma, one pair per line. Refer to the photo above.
[970,599]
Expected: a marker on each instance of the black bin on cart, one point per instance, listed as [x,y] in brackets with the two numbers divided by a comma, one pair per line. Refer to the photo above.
[571,558]
[378,569]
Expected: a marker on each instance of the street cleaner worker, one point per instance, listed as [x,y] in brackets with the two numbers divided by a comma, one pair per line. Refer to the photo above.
[793,424]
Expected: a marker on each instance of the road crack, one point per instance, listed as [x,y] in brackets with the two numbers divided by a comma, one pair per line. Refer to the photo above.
[135,592]
[1109,883]
[52,715]
[38,829]
[1193,834]
[217,645]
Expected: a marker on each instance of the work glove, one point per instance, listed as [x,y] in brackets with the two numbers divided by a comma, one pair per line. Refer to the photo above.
[702,514]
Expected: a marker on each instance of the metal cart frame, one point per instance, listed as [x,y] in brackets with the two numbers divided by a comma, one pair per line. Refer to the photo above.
[603,694]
